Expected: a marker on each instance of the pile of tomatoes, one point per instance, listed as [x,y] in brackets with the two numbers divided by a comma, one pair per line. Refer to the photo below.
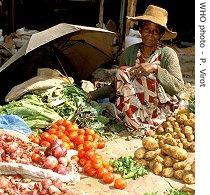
[85,141]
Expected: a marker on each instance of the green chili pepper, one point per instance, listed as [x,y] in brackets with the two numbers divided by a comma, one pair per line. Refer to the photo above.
[129,175]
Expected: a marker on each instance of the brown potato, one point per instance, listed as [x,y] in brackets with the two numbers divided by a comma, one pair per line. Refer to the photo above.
[171,141]
[168,162]
[188,177]
[141,162]
[180,145]
[157,168]
[166,124]
[190,137]
[167,149]
[139,153]
[161,143]
[186,145]
[187,130]
[181,135]
[168,172]
[178,174]
[179,165]
[171,119]
[178,153]
[193,167]
[160,129]
[159,159]
[181,118]
[191,123]
[150,143]
[192,146]
[169,130]
[151,164]
[150,155]
[191,115]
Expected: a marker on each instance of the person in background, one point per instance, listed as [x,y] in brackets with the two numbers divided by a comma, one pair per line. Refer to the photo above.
[149,76]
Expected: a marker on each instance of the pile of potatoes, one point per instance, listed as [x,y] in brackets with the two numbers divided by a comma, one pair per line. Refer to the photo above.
[166,159]
[178,131]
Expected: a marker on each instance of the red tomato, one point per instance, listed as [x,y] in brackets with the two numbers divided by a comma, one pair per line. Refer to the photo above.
[101,144]
[80,147]
[82,161]
[44,135]
[60,122]
[81,153]
[66,122]
[79,139]
[89,154]
[120,183]
[54,126]
[89,131]
[108,178]
[101,172]
[88,145]
[74,127]
[36,140]
[96,159]
[59,134]
[61,128]
[88,138]
[87,167]
[91,172]
[52,138]
[81,131]
[95,144]
[64,138]
[44,143]
[73,135]
[97,165]
[52,130]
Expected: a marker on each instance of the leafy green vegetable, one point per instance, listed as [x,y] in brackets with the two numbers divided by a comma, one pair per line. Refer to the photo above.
[191,105]
[32,110]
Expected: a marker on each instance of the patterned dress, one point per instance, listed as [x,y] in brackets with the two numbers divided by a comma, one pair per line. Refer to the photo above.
[142,103]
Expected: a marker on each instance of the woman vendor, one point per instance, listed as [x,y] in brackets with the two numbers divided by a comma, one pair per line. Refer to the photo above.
[149,76]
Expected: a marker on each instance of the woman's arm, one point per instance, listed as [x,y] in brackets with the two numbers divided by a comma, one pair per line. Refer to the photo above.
[169,72]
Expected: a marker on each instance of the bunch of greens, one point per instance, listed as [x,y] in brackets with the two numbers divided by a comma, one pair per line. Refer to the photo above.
[175,191]
[128,167]
[32,110]
[191,105]
[72,103]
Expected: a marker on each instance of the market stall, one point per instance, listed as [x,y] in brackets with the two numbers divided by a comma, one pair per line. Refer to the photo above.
[65,143]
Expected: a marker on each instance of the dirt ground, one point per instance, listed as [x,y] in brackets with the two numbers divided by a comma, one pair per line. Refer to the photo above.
[147,184]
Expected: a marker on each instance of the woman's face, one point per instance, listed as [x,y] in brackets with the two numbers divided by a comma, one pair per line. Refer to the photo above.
[150,33]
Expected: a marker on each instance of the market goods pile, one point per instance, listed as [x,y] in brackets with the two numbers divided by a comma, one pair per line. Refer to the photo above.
[29,162]
[86,141]
[166,151]
[41,107]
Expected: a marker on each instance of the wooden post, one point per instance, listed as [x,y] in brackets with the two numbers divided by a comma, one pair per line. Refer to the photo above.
[101,14]
[131,11]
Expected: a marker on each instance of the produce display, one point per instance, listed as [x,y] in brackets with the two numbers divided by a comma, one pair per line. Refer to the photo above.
[17,156]
[165,152]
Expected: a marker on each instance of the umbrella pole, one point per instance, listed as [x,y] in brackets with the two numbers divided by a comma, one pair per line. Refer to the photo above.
[61,65]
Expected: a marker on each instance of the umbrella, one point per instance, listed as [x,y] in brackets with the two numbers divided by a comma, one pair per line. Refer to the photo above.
[78,50]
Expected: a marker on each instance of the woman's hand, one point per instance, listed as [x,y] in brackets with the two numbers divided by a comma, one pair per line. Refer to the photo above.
[143,69]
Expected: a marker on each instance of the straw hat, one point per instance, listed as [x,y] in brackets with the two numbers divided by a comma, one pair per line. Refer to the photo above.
[159,16]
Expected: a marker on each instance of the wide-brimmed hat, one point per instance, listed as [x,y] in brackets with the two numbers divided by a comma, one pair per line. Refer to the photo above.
[159,16]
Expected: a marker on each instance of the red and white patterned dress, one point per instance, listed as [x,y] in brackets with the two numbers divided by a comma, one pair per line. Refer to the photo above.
[142,103]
